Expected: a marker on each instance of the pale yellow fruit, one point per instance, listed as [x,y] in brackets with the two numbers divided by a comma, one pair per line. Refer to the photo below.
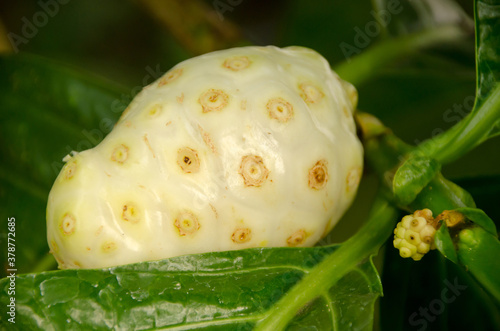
[245,147]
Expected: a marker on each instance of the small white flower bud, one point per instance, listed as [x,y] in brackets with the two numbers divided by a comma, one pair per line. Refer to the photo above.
[414,235]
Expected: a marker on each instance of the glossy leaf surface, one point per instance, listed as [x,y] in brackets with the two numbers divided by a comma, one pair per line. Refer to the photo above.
[412,176]
[223,291]
[444,244]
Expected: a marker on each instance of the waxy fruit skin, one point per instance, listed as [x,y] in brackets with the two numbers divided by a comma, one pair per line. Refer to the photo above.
[245,147]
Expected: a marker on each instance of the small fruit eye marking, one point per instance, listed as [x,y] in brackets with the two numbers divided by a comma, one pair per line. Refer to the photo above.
[170,77]
[186,223]
[296,238]
[213,100]
[318,175]
[68,224]
[253,170]
[280,109]
[237,63]
[188,160]
[120,154]
[241,235]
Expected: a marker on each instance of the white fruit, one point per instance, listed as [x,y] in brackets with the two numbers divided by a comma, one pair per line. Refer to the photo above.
[246,147]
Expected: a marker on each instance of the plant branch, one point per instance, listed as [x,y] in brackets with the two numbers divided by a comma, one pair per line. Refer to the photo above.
[385,153]
[467,134]
[47,262]
[358,248]
[361,67]
[194,24]
[5,45]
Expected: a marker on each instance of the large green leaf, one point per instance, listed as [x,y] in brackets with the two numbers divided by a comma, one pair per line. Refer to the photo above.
[483,121]
[487,53]
[223,291]
[487,41]
[487,21]
[47,111]
[475,248]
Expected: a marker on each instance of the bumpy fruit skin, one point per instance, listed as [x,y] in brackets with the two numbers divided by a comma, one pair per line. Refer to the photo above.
[414,235]
[246,147]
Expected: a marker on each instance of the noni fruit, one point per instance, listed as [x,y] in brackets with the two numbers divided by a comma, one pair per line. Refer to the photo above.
[245,147]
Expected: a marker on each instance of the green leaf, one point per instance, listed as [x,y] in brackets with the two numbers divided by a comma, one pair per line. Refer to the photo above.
[444,244]
[482,122]
[224,290]
[47,111]
[485,190]
[412,176]
[441,194]
[487,17]
[480,218]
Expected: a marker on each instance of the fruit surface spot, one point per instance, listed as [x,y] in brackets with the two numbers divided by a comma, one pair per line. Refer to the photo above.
[241,235]
[170,77]
[213,100]
[186,223]
[54,248]
[253,170]
[353,178]
[237,63]
[280,109]
[108,247]
[68,223]
[188,160]
[131,213]
[310,93]
[296,238]
[70,169]
[120,154]
[318,175]
[154,111]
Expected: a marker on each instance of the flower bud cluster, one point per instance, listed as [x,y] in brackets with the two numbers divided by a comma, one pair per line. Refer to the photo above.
[414,235]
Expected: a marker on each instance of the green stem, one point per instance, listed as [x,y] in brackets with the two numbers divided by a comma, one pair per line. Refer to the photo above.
[467,134]
[194,24]
[361,67]
[385,152]
[359,247]
[47,262]
[475,246]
